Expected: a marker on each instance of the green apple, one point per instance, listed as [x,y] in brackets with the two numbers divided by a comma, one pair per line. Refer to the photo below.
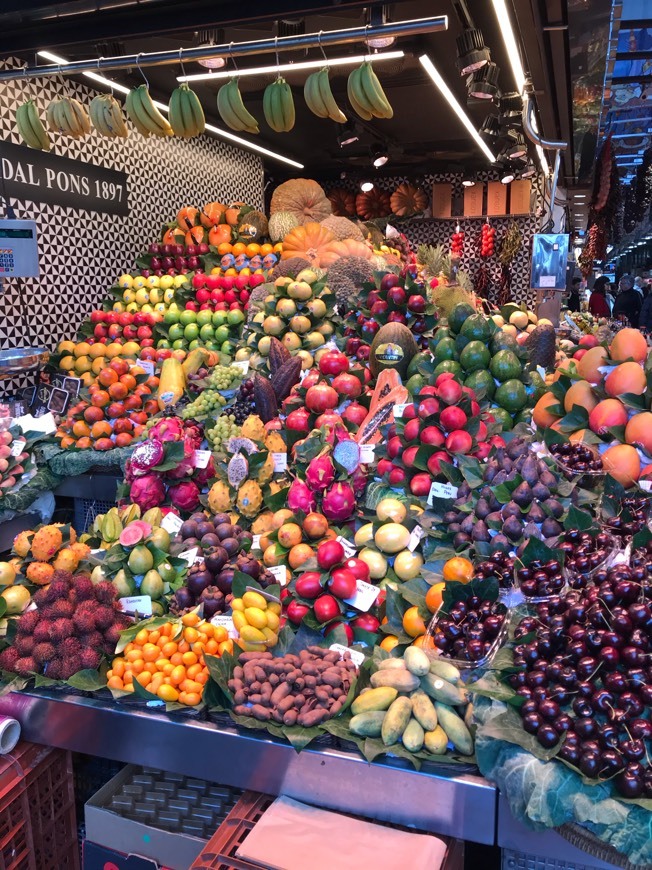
[175,332]
[228,347]
[187,317]
[179,344]
[219,317]
[191,331]
[204,317]
[206,333]
[222,333]
[194,343]
[235,317]
[163,344]
[171,316]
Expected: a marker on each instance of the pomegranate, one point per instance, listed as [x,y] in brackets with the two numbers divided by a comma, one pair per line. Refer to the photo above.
[333,363]
[298,420]
[347,384]
[321,398]
[354,413]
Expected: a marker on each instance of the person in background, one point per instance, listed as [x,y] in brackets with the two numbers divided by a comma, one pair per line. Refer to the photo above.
[598,305]
[645,317]
[640,285]
[574,298]
[628,302]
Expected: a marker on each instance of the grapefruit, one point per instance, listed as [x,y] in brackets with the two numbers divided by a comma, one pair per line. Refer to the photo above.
[622,463]
[628,344]
[580,393]
[541,416]
[639,431]
[628,377]
[607,414]
[587,367]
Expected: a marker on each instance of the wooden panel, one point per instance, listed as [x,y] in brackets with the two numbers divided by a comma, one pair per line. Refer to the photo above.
[442,200]
[496,198]
[519,196]
[473,200]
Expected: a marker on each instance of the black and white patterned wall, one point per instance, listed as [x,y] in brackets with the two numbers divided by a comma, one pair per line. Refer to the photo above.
[429,231]
[81,253]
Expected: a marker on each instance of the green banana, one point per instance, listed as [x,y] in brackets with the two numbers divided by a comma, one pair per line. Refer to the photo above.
[49,116]
[149,115]
[114,117]
[352,88]
[71,123]
[238,108]
[374,92]
[287,106]
[224,108]
[130,106]
[360,93]
[175,115]
[83,121]
[31,127]
[195,111]
[98,120]
[328,100]
[312,96]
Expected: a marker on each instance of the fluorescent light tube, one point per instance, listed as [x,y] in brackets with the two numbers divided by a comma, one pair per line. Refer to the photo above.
[223,134]
[448,95]
[273,68]
[511,46]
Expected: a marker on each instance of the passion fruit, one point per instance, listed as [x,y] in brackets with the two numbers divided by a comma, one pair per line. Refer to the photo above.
[392,538]
[17,598]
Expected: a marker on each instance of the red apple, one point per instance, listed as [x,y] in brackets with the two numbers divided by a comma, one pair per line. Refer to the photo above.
[342,583]
[296,612]
[326,608]
[308,585]
[420,484]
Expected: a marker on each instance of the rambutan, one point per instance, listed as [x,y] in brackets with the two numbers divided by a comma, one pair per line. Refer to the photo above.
[41,633]
[69,647]
[93,640]
[112,634]
[62,608]
[40,597]
[24,643]
[83,587]
[69,666]
[58,588]
[54,669]
[8,658]
[90,658]
[86,606]
[27,622]
[43,652]
[84,621]
[25,666]
[105,592]
[61,628]
[104,617]
[61,574]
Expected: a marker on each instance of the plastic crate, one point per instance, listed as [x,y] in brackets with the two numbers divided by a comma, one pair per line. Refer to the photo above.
[38,829]
[220,851]
[522,861]
[86,509]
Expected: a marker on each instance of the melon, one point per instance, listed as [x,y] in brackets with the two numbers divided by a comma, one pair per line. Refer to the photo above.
[622,462]
[541,416]
[639,431]
[587,367]
[628,344]
[392,348]
[628,377]
[580,393]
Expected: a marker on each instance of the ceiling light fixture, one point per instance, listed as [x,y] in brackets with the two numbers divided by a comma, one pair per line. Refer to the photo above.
[366,186]
[518,148]
[272,69]
[468,181]
[448,95]
[507,175]
[223,134]
[348,135]
[377,17]
[490,128]
[529,171]
[483,83]
[472,53]
[379,156]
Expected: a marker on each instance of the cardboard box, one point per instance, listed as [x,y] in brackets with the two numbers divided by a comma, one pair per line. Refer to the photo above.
[174,851]
[496,198]
[473,200]
[96,857]
[519,196]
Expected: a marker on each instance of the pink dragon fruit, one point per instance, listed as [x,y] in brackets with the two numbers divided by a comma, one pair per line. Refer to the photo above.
[187,465]
[193,432]
[338,502]
[147,491]
[167,429]
[203,475]
[184,495]
[359,481]
[300,498]
[320,472]
[146,456]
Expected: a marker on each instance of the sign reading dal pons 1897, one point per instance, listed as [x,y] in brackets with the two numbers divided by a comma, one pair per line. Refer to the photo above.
[44,177]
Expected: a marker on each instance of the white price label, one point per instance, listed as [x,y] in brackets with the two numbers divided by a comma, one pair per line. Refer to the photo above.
[331,344]
[646,485]
[189,556]
[367,453]
[415,536]
[541,372]
[365,596]
[202,458]
[242,364]
[280,462]
[146,365]
[349,548]
[279,572]
[99,553]
[356,656]
[399,410]
[303,375]
[226,621]
[441,490]
[255,543]
[171,523]
[17,447]
[141,604]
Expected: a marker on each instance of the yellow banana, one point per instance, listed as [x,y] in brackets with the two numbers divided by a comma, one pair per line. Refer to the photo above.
[113,115]
[312,96]
[374,92]
[83,120]
[49,116]
[72,123]
[327,98]
[149,115]
[352,89]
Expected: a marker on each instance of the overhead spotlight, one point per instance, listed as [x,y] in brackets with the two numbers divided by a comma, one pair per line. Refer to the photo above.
[207,39]
[490,128]
[472,53]
[366,186]
[511,110]
[529,171]
[507,174]
[348,135]
[468,181]
[379,155]
[377,17]
[483,83]
[517,148]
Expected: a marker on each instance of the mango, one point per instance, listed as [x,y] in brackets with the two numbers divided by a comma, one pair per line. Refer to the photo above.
[367,724]
[373,700]
[401,680]
[416,661]
[457,732]
[413,736]
[436,741]
[396,721]
[423,710]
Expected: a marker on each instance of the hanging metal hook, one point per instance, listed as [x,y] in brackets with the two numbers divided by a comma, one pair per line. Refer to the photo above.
[278,73]
[321,47]
[231,44]
[183,72]
[140,69]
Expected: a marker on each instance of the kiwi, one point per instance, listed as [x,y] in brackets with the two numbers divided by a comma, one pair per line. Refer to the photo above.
[522,495]
[512,528]
[550,528]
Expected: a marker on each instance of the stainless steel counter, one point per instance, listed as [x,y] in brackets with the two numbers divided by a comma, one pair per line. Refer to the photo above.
[458,805]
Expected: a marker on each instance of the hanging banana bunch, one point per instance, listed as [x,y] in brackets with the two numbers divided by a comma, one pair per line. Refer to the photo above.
[67,115]
[319,97]
[144,115]
[232,110]
[366,94]
[31,128]
[186,114]
[278,106]
[107,118]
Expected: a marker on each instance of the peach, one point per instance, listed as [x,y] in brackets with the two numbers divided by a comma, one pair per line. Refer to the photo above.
[606,415]
[628,377]
[628,344]
[639,431]
[541,416]
[622,462]
[587,367]
[580,393]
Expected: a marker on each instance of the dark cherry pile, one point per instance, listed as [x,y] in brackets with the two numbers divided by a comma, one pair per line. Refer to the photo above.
[498,565]
[641,562]
[584,553]
[244,404]
[541,579]
[469,630]
[586,677]
[631,518]
[576,458]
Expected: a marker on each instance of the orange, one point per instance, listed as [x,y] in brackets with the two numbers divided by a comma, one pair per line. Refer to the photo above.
[191,699]
[142,637]
[107,377]
[83,443]
[238,248]
[278,247]
[189,658]
[191,634]
[289,535]
[224,248]
[220,634]
[458,568]
[101,429]
[190,618]
[129,381]
[80,428]
[425,642]
[144,678]
[150,652]
[118,667]
[226,646]
[115,683]
[169,649]
[67,441]
[266,249]
[118,391]
[212,646]
[100,398]
[389,642]
[178,675]
[433,597]
[413,623]
[252,249]
[168,693]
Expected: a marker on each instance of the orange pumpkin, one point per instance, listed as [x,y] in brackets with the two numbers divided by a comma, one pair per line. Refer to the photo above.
[195,236]
[220,234]
[232,213]
[318,245]
[344,248]
[374,203]
[174,236]
[212,214]
[342,202]
[187,217]
[408,200]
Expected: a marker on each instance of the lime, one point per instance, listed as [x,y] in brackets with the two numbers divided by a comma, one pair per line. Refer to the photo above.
[449,365]
[475,356]
[477,328]
[505,365]
[459,314]
[503,417]
[511,395]
[445,349]
[523,416]
[414,384]
[482,383]
[418,358]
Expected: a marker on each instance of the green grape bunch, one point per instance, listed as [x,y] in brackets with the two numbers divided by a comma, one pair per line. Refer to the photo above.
[224,429]
[208,403]
[223,377]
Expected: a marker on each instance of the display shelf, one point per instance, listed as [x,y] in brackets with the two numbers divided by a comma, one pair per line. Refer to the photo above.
[456,805]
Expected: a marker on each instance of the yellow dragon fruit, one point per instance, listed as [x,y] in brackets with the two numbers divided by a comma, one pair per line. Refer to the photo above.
[266,470]
[22,543]
[219,498]
[250,499]
[274,442]
[72,534]
[46,542]
[254,428]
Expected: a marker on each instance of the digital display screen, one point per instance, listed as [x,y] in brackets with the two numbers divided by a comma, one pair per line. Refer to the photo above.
[16,234]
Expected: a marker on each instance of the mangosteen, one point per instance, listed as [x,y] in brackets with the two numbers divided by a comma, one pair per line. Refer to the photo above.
[231,545]
[540,491]
[550,528]
[198,517]
[512,528]
[213,600]
[188,529]
[480,532]
[248,565]
[204,528]
[224,530]
[536,514]
[197,581]
[181,600]
[237,531]
[224,580]
[482,509]
[529,471]
[511,509]
[215,559]
[218,519]
[189,543]
[554,508]
[245,536]
[522,495]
